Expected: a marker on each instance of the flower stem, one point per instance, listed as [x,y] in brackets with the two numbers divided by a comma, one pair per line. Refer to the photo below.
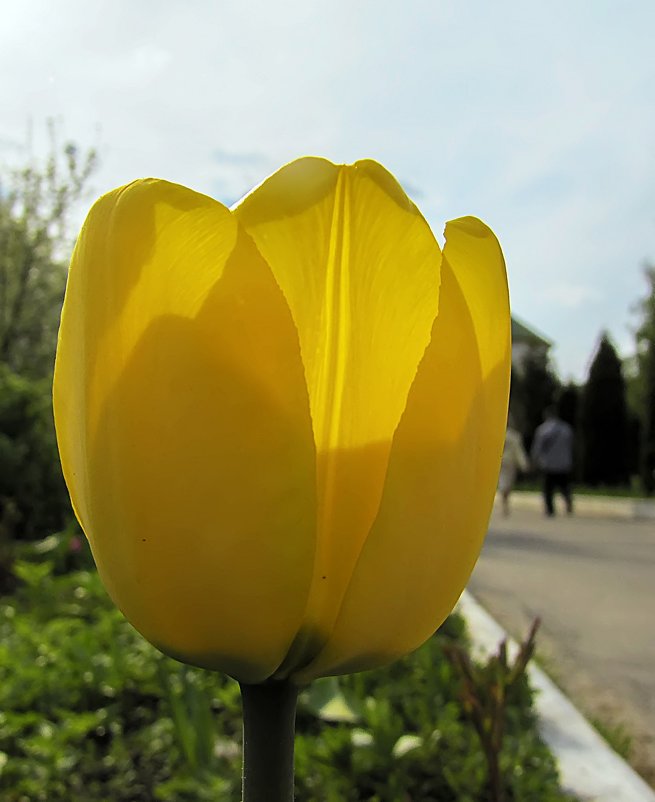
[269,720]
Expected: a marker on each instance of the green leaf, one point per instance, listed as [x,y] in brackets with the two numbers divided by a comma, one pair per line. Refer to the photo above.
[326,700]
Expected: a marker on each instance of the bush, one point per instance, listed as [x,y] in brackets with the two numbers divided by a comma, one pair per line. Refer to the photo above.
[33,497]
[91,712]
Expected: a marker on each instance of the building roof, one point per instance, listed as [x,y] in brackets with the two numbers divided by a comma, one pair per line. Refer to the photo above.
[522,333]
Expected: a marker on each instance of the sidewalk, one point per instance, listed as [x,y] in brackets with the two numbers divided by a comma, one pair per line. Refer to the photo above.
[589,769]
[593,506]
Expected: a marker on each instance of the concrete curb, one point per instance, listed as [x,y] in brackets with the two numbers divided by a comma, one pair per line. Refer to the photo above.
[589,768]
[593,506]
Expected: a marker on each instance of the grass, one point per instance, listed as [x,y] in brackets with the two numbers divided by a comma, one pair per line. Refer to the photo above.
[633,492]
[616,735]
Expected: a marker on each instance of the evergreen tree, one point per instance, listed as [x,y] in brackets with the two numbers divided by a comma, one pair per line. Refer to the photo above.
[604,420]
[534,387]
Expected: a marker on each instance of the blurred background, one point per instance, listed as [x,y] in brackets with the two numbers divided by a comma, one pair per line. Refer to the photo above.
[537,117]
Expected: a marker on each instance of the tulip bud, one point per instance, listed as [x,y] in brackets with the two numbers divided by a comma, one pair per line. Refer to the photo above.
[281,424]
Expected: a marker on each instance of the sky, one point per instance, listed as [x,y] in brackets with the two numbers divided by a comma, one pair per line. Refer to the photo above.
[538,117]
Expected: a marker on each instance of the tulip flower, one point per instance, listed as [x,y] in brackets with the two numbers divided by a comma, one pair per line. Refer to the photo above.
[281,424]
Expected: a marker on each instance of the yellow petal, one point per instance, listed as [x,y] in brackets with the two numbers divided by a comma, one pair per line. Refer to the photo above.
[442,470]
[183,423]
[359,268]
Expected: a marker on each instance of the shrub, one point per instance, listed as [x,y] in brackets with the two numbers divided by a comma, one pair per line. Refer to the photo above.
[91,712]
[33,497]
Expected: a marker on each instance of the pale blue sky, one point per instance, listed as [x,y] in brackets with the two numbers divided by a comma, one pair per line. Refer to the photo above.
[538,117]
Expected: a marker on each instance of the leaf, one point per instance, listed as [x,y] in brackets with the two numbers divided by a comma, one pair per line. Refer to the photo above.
[405,744]
[326,700]
[32,574]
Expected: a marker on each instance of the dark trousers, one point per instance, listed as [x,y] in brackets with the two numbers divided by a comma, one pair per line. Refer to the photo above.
[557,481]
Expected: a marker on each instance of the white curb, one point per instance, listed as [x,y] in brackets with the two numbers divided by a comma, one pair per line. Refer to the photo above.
[589,769]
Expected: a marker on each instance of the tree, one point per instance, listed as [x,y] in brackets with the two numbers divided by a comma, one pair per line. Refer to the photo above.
[568,403]
[33,497]
[534,387]
[604,420]
[568,408]
[644,385]
[35,207]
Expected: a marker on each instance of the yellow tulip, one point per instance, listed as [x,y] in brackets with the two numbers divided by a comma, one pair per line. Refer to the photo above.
[281,424]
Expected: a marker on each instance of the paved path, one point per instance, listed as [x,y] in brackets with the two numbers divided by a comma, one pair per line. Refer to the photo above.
[592,582]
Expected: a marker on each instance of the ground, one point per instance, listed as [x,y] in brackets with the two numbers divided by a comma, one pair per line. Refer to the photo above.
[592,582]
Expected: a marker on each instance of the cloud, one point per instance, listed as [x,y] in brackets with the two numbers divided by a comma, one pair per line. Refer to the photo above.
[139,67]
[239,158]
[571,295]
[535,117]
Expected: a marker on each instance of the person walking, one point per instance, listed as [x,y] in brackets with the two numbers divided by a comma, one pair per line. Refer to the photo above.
[552,454]
[514,459]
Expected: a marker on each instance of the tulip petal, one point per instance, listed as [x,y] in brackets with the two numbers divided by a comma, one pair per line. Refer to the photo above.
[442,471]
[183,424]
[359,268]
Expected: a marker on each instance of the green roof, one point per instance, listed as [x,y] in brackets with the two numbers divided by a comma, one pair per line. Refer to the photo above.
[521,333]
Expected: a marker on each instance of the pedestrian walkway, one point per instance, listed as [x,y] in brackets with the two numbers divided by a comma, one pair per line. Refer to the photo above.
[590,580]
[589,769]
[588,505]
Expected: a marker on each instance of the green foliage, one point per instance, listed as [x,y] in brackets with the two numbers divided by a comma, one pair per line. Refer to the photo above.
[616,735]
[534,387]
[568,409]
[604,420]
[35,207]
[644,383]
[568,403]
[491,693]
[634,491]
[36,203]
[91,712]
[33,497]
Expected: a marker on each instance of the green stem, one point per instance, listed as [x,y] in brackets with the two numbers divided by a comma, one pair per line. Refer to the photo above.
[269,720]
